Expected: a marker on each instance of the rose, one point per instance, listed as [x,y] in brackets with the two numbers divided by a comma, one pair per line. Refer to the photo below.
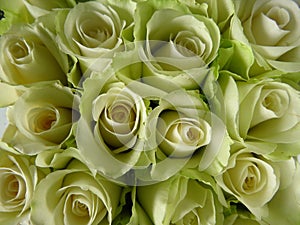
[189,40]
[271,27]
[273,111]
[180,127]
[18,179]
[75,196]
[41,118]
[250,178]
[179,124]
[265,110]
[118,118]
[93,29]
[29,54]
[175,131]
[111,128]
[182,199]
[201,38]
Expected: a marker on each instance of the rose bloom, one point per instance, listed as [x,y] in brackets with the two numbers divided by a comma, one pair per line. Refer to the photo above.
[93,29]
[265,111]
[187,40]
[271,27]
[181,200]
[75,196]
[269,111]
[110,131]
[181,130]
[41,118]
[251,179]
[18,179]
[29,54]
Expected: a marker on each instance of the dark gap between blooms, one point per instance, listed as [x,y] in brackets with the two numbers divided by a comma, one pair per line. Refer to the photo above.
[1,14]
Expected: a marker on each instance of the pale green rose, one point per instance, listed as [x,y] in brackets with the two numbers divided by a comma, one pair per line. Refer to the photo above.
[186,40]
[284,208]
[180,129]
[18,179]
[181,200]
[29,54]
[94,29]
[271,28]
[251,179]
[39,8]
[14,12]
[41,118]
[269,111]
[266,110]
[75,196]
[110,131]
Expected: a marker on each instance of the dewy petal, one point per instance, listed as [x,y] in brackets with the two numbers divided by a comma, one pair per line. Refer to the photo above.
[266,30]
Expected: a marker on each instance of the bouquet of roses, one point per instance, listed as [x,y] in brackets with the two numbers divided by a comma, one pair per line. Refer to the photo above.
[145,112]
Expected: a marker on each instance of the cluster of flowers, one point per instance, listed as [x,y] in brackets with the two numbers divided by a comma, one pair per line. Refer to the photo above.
[150,112]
